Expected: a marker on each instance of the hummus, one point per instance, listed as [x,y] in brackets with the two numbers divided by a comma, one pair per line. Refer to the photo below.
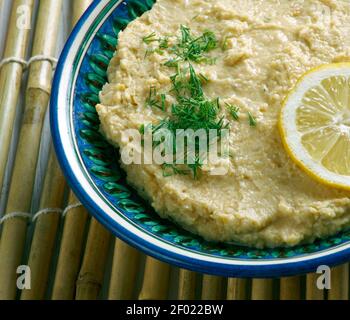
[264,200]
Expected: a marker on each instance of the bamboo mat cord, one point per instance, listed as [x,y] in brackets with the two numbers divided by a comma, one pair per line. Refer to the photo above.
[155,280]
[72,206]
[42,57]
[45,233]
[339,283]
[10,79]
[187,285]
[126,265]
[22,183]
[237,289]
[312,292]
[71,250]
[290,288]
[22,62]
[75,222]
[45,212]
[92,272]
[12,215]
[26,64]
[212,288]
[262,289]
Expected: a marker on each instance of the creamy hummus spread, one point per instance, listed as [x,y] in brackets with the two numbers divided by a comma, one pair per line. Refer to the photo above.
[264,200]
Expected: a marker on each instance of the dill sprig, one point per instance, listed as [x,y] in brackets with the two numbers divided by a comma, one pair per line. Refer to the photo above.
[234,111]
[154,100]
[224,44]
[203,78]
[150,51]
[152,37]
[188,48]
[164,43]
[170,170]
[252,121]
[193,49]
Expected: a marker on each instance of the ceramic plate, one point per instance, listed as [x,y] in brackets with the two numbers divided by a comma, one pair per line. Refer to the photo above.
[91,167]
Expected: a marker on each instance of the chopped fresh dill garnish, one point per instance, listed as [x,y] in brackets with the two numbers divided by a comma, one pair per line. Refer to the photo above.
[154,100]
[204,79]
[148,52]
[192,110]
[233,110]
[164,43]
[196,166]
[188,47]
[170,170]
[172,63]
[193,49]
[224,44]
[211,61]
[151,51]
[252,120]
[195,17]
[142,129]
[163,101]
[150,38]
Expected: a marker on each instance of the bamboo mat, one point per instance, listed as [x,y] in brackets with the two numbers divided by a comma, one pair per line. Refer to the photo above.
[74,257]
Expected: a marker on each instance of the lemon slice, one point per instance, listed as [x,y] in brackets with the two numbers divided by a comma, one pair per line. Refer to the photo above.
[315,124]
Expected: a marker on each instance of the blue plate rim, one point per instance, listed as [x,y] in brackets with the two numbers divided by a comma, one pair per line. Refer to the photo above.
[286,267]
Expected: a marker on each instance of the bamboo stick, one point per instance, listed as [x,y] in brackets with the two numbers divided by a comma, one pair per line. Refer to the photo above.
[70,252]
[237,289]
[45,232]
[79,7]
[92,271]
[21,188]
[10,79]
[339,283]
[187,285]
[155,280]
[212,288]
[262,289]
[312,292]
[3,24]
[124,271]
[290,288]
[75,222]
